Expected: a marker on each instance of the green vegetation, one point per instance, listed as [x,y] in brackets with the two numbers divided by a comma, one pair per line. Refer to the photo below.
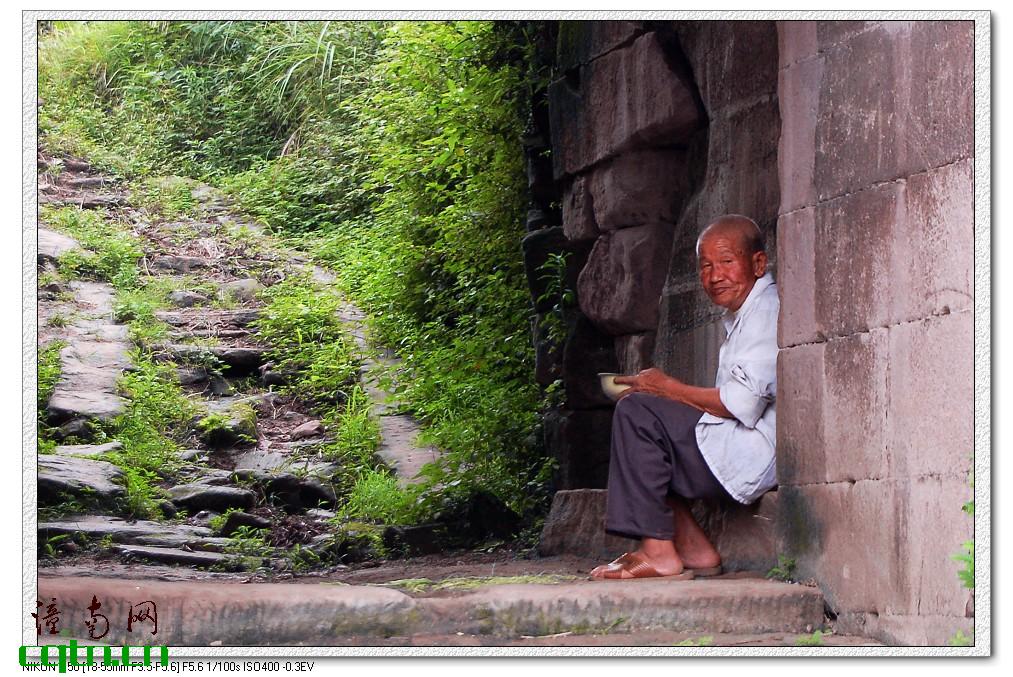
[111,253]
[784,570]
[961,639]
[390,153]
[465,583]
[301,325]
[815,639]
[707,640]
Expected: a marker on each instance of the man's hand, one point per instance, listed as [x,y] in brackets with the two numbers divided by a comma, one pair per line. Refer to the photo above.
[652,381]
[656,382]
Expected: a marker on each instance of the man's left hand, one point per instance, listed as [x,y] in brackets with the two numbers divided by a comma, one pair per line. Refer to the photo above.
[652,381]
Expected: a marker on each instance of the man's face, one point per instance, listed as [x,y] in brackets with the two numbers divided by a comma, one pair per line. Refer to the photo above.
[727,272]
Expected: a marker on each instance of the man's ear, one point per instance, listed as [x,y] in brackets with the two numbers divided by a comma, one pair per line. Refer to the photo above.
[759,264]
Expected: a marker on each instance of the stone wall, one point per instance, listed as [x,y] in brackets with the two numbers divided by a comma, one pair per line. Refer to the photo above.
[875,375]
[622,110]
[850,143]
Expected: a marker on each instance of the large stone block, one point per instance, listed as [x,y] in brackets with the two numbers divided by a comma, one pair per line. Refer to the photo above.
[629,98]
[744,134]
[796,41]
[894,100]
[635,352]
[798,96]
[933,528]
[801,452]
[856,407]
[743,534]
[796,280]
[692,355]
[580,442]
[833,410]
[933,254]
[579,42]
[848,536]
[621,284]
[931,399]
[854,290]
[576,526]
[735,62]
[639,187]
[939,115]
[578,211]
[587,352]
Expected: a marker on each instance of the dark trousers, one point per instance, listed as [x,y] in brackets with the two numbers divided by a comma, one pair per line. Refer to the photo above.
[654,455]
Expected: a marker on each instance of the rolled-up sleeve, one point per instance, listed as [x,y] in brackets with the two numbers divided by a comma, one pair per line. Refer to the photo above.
[749,390]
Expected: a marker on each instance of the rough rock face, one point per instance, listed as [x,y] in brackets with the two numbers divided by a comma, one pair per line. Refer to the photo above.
[576,526]
[639,187]
[79,477]
[579,441]
[624,99]
[92,360]
[621,284]
[53,245]
[204,496]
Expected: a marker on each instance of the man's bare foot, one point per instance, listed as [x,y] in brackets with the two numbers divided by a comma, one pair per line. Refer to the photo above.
[690,541]
[659,553]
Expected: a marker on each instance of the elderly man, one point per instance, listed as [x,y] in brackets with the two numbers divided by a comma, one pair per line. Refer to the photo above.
[672,441]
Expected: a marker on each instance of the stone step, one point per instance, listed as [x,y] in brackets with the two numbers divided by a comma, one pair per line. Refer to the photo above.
[245,360]
[209,318]
[171,555]
[94,481]
[199,613]
[140,532]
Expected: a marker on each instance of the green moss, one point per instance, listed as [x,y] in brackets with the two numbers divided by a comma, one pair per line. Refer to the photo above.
[467,583]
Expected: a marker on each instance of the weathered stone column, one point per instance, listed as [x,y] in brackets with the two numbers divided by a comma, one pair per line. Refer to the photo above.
[875,374]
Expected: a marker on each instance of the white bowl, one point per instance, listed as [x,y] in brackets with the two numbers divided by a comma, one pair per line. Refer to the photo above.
[609,386]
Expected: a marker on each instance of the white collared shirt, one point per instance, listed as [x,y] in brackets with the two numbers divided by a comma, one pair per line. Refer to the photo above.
[740,450]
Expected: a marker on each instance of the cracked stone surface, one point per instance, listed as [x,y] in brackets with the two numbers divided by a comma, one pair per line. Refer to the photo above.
[81,477]
[92,360]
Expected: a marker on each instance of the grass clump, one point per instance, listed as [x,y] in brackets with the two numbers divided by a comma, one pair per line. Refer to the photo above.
[815,639]
[784,570]
[112,254]
[167,197]
[376,495]
[300,323]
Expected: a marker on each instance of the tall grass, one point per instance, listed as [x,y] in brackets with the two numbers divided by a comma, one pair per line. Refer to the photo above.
[390,150]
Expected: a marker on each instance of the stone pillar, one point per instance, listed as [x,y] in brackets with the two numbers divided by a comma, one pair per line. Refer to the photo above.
[875,373]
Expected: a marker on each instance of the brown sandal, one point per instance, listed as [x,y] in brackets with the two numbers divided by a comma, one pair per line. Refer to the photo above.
[636,568]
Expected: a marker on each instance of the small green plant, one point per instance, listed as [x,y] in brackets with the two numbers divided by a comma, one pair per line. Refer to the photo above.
[49,371]
[815,639]
[784,570]
[961,639]
[358,432]
[377,496]
[302,559]
[110,253]
[553,274]
[707,640]
[50,547]
[217,523]
[248,542]
[169,197]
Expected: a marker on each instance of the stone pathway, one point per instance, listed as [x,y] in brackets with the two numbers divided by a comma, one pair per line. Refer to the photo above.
[261,456]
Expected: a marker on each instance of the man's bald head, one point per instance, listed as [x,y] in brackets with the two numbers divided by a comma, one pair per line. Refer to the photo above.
[742,228]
